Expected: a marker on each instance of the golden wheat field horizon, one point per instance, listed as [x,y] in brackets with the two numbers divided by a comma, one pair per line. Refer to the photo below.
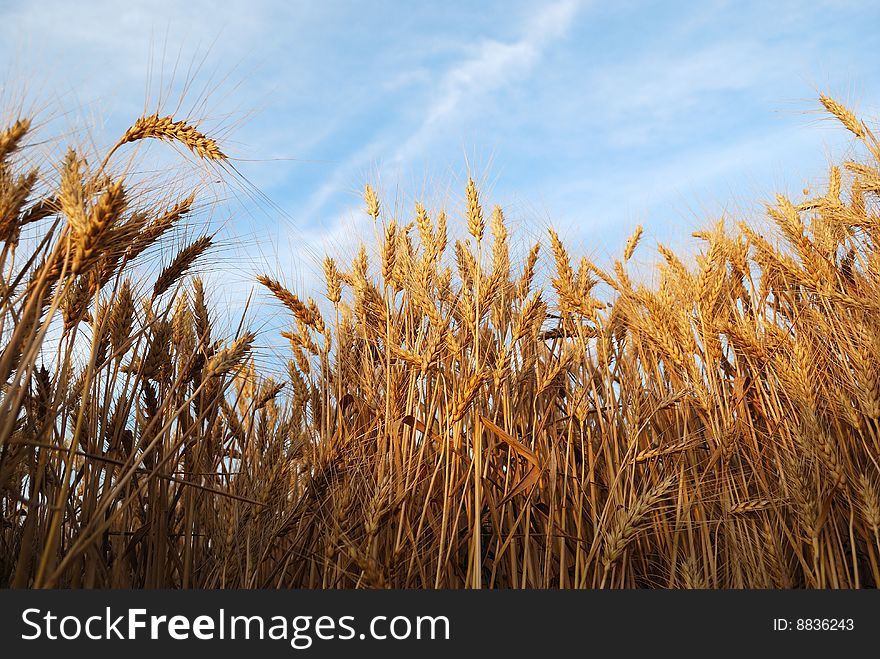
[444,422]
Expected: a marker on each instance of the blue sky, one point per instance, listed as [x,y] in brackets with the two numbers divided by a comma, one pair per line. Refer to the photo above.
[591,117]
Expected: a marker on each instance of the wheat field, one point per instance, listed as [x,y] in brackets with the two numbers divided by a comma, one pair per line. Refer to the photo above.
[449,418]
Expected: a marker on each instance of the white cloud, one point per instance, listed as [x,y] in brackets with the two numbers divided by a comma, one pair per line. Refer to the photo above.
[454,93]
[495,65]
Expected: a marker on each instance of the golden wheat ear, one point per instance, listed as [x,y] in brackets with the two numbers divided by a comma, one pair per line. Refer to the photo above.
[180,265]
[10,138]
[844,115]
[167,129]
